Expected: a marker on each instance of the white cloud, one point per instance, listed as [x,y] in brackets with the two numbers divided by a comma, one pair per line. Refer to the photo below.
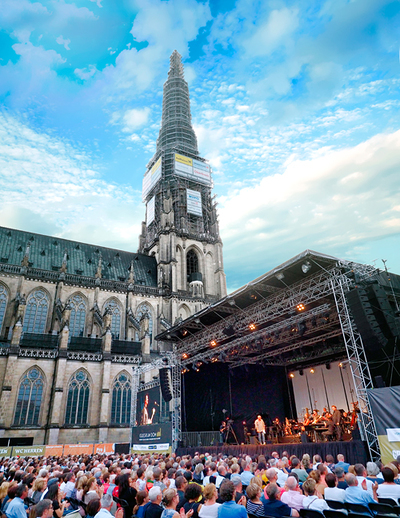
[61,41]
[335,202]
[48,185]
[135,118]
[85,73]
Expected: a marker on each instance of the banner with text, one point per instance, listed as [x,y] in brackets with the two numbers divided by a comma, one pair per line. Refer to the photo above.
[385,406]
[5,451]
[54,450]
[194,202]
[78,449]
[193,170]
[29,451]
[151,178]
[104,449]
[152,438]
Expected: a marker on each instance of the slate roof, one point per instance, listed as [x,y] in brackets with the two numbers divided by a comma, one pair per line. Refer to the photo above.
[47,252]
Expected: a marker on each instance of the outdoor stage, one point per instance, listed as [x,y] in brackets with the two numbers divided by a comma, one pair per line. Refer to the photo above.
[353,451]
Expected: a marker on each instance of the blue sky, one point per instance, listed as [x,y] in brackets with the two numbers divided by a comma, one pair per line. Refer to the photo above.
[295,104]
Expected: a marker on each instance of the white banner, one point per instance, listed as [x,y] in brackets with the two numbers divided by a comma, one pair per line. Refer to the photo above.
[194,202]
[150,447]
[151,178]
[150,210]
[192,169]
[393,434]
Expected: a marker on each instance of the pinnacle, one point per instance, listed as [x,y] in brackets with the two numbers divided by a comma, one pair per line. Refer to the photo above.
[176,67]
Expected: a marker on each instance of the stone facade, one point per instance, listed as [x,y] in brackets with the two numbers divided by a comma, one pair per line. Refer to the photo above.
[75,318]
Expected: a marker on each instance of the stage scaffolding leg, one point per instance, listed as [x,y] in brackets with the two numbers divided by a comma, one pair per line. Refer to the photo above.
[134,392]
[358,363]
[176,404]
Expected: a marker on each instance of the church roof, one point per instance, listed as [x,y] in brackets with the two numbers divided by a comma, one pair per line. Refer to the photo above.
[47,253]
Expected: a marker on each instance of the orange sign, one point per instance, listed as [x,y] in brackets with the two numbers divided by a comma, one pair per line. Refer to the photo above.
[56,450]
[104,449]
[78,449]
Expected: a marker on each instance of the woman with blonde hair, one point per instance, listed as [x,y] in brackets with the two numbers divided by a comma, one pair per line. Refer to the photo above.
[306,463]
[90,490]
[39,486]
[254,504]
[210,507]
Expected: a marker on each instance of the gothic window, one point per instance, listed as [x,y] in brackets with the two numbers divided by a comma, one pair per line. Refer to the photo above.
[78,399]
[3,304]
[78,316]
[37,307]
[115,311]
[142,310]
[121,400]
[192,262]
[29,398]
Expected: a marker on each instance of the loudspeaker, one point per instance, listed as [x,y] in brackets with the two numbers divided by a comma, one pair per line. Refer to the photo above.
[166,384]
[379,383]
[387,312]
[365,320]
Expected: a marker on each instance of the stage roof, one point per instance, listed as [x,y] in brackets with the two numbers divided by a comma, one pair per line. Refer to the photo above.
[286,317]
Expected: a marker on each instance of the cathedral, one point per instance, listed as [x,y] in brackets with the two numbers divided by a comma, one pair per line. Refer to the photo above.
[75,318]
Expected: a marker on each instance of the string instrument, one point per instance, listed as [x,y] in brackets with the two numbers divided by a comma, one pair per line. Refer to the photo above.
[150,421]
[354,414]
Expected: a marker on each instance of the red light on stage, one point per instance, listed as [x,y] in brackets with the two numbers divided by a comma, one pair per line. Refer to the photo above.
[185,356]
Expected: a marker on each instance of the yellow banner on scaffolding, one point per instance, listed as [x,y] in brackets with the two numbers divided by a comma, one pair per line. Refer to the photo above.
[183,159]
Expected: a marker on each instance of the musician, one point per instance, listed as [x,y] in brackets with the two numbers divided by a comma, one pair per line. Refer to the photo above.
[316,418]
[259,425]
[222,431]
[337,421]
[354,414]
[144,417]
[307,419]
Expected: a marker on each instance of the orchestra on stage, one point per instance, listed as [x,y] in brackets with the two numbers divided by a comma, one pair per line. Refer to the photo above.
[328,425]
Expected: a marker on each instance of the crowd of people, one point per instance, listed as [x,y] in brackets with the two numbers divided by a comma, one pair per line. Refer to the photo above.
[202,486]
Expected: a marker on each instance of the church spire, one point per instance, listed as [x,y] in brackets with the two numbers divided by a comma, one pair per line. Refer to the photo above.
[176,126]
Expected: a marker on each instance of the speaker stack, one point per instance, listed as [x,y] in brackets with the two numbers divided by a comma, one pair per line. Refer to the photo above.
[166,384]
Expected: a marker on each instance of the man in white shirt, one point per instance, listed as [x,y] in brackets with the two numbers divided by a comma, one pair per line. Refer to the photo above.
[361,473]
[260,429]
[332,492]
[106,503]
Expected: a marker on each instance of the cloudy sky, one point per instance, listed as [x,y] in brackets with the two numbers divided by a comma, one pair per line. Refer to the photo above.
[295,104]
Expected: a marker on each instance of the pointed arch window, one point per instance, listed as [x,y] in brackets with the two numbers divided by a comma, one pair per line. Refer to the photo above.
[3,305]
[29,398]
[78,316]
[37,307]
[78,399]
[192,262]
[115,311]
[121,400]
[140,312]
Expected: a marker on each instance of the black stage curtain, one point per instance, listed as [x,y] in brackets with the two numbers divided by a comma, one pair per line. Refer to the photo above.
[353,451]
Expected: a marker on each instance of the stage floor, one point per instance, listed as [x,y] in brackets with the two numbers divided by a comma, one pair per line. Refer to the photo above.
[353,451]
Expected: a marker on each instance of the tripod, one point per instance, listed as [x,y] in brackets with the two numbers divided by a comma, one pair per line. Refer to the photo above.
[230,432]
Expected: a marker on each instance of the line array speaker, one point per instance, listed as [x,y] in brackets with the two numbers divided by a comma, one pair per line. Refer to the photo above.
[166,384]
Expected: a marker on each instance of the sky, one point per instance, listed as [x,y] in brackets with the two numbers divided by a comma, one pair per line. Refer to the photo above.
[296,105]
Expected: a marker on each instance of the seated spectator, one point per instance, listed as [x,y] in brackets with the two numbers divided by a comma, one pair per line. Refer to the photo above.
[373,471]
[293,497]
[357,494]
[237,482]
[229,508]
[254,503]
[273,506]
[341,483]
[389,488]
[332,492]
[312,501]
[299,470]
[341,463]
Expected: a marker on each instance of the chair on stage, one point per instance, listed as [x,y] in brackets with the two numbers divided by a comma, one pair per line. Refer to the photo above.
[385,509]
[359,509]
[310,513]
[335,504]
[333,513]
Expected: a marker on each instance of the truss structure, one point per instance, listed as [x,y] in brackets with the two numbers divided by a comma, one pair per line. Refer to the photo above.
[281,336]
[157,364]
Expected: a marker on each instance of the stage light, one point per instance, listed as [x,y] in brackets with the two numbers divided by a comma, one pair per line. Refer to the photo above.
[232,302]
[312,371]
[291,375]
[185,356]
[252,327]
[195,367]
[280,276]
[306,267]
[300,307]
[340,364]
[184,332]
[214,359]
[213,343]
[328,366]
[301,372]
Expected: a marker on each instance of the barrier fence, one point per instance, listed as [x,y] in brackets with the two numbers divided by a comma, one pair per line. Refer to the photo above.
[59,450]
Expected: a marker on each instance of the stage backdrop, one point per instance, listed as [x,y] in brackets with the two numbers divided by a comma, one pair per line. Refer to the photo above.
[243,393]
[385,406]
[323,388]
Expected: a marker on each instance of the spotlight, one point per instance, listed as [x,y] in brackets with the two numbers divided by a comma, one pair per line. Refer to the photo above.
[253,295]
[280,276]
[185,356]
[184,332]
[232,302]
[213,343]
[306,267]
[214,359]
[195,367]
[328,366]
[291,375]
[301,372]
[300,307]
[252,327]
[312,371]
